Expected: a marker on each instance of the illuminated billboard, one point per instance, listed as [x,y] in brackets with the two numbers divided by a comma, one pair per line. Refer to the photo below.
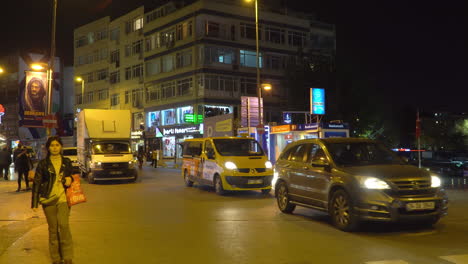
[317,101]
[33,98]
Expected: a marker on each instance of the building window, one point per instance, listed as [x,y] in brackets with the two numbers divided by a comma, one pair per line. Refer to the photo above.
[127,97]
[297,39]
[274,35]
[102,75]
[114,77]
[102,34]
[103,94]
[249,58]
[220,83]
[248,86]
[150,43]
[89,97]
[184,87]
[248,31]
[275,62]
[137,97]
[212,29]
[137,24]
[153,93]
[115,56]
[168,90]
[91,37]
[115,34]
[184,59]
[167,63]
[167,38]
[81,41]
[137,47]
[115,99]
[90,77]
[128,50]
[219,55]
[128,73]
[137,70]
[153,67]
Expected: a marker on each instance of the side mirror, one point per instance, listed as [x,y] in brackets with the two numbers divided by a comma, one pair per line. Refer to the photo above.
[320,163]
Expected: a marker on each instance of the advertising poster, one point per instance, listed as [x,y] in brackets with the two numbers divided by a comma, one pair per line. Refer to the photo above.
[219,126]
[33,98]
[317,101]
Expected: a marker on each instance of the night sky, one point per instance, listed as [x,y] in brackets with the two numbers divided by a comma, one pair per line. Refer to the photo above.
[414,53]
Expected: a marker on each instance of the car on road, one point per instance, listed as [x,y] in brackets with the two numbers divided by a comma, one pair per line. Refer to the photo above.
[71,153]
[227,164]
[356,180]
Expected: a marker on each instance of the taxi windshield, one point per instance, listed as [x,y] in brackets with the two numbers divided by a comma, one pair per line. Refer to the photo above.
[238,147]
[361,154]
[111,148]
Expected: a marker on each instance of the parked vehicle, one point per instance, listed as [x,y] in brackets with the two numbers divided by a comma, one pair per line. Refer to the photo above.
[104,147]
[227,164]
[71,153]
[356,180]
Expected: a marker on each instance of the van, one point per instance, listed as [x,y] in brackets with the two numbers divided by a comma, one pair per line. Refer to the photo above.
[227,164]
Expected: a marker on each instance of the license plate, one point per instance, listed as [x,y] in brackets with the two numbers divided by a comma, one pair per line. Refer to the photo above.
[420,206]
[115,172]
[255,181]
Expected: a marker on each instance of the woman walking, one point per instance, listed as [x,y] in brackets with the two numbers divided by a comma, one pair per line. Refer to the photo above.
[53,176]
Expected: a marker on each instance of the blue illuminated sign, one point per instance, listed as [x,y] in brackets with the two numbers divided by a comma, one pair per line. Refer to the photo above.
[317,101]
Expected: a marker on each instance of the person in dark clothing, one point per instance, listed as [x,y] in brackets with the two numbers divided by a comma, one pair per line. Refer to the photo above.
[21,160]
[5,161]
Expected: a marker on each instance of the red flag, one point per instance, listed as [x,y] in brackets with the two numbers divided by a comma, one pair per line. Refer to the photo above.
[418,125]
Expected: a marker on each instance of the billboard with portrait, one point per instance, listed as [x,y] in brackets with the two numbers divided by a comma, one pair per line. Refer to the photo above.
[34,98]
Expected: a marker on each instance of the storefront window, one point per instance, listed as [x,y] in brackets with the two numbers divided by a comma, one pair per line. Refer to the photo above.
[181,112]
[154,119]
[168,117]
[168,146]
[214,110]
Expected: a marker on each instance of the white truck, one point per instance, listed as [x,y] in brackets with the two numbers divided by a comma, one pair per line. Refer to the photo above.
[104,147]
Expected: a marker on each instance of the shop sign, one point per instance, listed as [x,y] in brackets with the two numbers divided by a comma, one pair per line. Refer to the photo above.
[2,112]
[190,118]
[317,101]
[136,134]
[219,126]
[288,136]
[282,129]
[335,126]
[313,126]
[181,130]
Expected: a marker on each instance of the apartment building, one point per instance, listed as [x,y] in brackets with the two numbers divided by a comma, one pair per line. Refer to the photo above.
[177,64]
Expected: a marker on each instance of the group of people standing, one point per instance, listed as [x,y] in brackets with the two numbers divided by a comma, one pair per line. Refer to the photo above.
[23,164]
[153,155]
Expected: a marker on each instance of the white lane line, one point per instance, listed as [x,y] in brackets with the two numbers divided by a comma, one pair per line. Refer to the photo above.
[387,262]
[457,259]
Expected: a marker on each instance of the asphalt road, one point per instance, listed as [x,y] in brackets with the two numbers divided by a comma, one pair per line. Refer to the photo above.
[159,220]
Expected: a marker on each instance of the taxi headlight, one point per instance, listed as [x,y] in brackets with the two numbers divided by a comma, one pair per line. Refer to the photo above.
[268,165]
[373,183]
[230,165]
[435,181]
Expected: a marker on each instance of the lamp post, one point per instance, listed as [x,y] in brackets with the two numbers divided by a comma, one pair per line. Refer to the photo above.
[79,79]
[259,88]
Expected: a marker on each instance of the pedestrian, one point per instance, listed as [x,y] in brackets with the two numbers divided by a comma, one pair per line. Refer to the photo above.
[155,157]
[21,160]
[140,158]
[5,161]
[53,176]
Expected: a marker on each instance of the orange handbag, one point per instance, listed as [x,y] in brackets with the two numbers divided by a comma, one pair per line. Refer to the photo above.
[74,193]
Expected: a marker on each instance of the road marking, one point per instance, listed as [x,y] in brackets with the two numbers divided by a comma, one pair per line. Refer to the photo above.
[388,262]
[457,259]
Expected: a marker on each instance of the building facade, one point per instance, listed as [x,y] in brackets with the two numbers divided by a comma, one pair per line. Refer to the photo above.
[177,64]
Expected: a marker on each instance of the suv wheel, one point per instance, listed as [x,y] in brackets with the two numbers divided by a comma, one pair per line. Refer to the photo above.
[219,185]
[341,211]
[187,180]
[282,198]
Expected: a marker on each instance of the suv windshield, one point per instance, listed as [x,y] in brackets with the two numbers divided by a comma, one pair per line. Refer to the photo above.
[238,147]
[361,154]
[111,148]
[69,152]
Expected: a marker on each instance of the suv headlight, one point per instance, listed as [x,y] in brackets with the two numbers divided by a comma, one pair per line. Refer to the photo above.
[373,183]
[268,165]
[131,164]
[230,165]
[435,181]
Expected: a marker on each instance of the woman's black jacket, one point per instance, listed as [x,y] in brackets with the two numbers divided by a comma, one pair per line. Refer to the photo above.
[45,176]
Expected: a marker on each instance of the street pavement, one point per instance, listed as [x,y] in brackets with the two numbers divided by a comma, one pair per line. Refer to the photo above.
[159,220]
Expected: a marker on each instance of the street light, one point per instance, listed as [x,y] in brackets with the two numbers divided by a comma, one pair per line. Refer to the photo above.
[266,86]
[1,70]
[79,79]
[38,67]
[259,88]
